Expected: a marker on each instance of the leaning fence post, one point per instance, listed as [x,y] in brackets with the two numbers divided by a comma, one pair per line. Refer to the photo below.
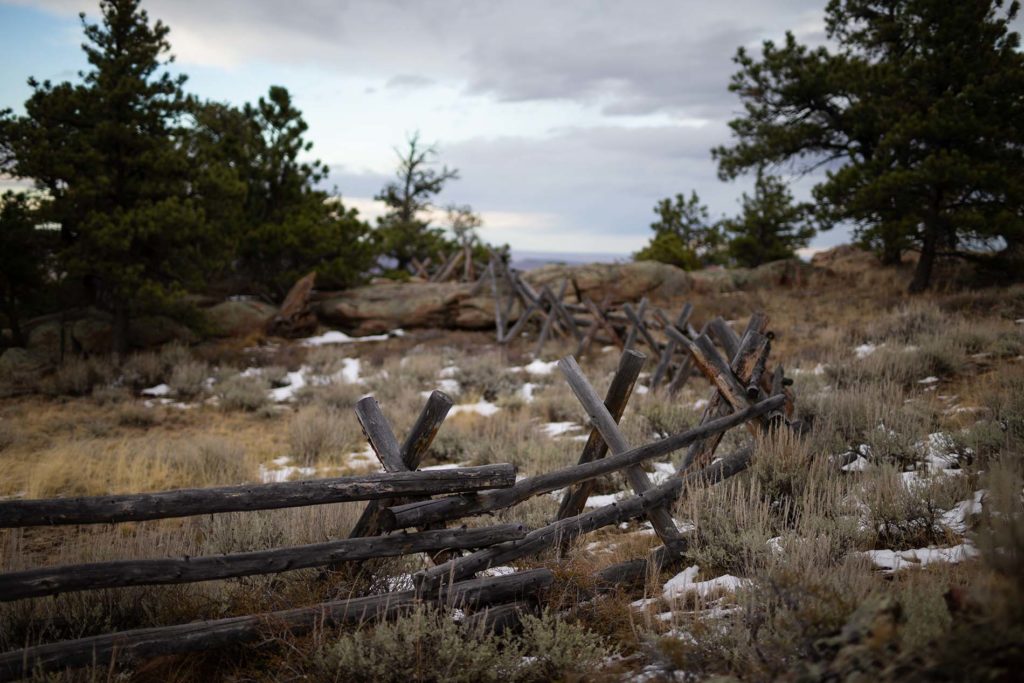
[659,516]
[621,388]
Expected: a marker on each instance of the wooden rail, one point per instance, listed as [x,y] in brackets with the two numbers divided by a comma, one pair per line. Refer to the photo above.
[185,502]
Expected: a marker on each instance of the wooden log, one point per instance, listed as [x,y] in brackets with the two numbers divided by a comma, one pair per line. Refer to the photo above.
[520,323]
[670,346]
[725,336]
[416,445]
[134,507]
[569,320]
[631,336]
[549,322]
[640,326]
[449,267]
[715,368]
[499,320]
[751,345]
[417,514]
[131,647]
[621,388]
[377,431]
[606,424]
[599,315]
[53,580]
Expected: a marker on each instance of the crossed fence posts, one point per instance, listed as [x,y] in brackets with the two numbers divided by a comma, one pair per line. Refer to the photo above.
[400,498]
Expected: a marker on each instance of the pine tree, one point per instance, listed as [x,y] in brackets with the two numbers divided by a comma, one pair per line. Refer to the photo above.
[26,253]
[109,152]
[918,116]
[404,233]
[684,235]
[770,227]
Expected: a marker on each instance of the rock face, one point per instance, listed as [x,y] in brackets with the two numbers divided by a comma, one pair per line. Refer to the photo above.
[620,282]
[238,318]
[295,319]
[383,307]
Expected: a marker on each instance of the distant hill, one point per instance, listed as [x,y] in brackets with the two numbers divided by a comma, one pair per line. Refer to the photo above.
[528,260]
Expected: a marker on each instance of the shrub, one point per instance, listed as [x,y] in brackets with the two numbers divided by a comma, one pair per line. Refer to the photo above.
[427,645]
[188,379]
[316,432]
[242,392]
[145,369]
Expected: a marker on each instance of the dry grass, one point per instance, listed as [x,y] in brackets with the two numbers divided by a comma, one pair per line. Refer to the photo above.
[793,527]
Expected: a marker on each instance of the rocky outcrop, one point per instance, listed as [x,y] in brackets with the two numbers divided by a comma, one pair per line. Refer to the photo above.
[238,318]
[619,282]
[295,319]
[382,307]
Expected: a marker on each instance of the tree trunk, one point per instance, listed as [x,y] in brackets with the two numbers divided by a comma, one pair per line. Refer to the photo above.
[923,272]
[17,334]
[120,333]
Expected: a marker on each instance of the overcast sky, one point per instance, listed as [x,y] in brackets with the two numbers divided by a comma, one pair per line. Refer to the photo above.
[567,120]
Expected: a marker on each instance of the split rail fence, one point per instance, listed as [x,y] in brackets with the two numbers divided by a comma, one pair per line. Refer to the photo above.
[409,512]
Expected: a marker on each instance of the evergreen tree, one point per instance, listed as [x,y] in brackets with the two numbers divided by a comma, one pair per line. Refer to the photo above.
[683,235]
[289,227]
[918,117]
[25,258]
[109,153]
[403,232]
[770,227]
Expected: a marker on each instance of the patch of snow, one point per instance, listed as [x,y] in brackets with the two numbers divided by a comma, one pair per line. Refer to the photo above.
[959,515]
[700,404]
[683,583]
[296,380]
[526,391]
[450,386]
[282,471]
[641,389]
[449,371]
[858,465]
[775,544]
[339,337]
[894,560]
[539,367]
[485,408]
[443,466]
[600,501]
[931,379]
[158,390]
[554,429]
[498,571]
[865,350]
[663,471]
[402,582]
[350,370]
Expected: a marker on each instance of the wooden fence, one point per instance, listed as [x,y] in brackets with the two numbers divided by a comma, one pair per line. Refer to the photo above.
[404,517]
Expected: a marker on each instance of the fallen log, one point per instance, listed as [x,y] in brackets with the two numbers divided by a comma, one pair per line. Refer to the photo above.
[141,644]
[135,507]
[118,574]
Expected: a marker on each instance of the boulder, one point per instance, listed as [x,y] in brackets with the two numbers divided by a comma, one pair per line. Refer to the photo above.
[44,339]
[295,319]
[150,331]
[238,318]
[379,308]
[92,335]
[620,282]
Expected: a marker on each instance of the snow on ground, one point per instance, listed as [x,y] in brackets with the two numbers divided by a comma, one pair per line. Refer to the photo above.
[158,390]
[958,517]
[931,379]
[599,501]
[537,367]
[894,560]
[296,380]
[700,404]
[865,350]
[338,337]
[555,429]
[350,370]
[526,391]
[485,408]
[282,471]
[683,584]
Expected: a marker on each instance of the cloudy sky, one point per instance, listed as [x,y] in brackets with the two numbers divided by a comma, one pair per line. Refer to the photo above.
[567,120]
